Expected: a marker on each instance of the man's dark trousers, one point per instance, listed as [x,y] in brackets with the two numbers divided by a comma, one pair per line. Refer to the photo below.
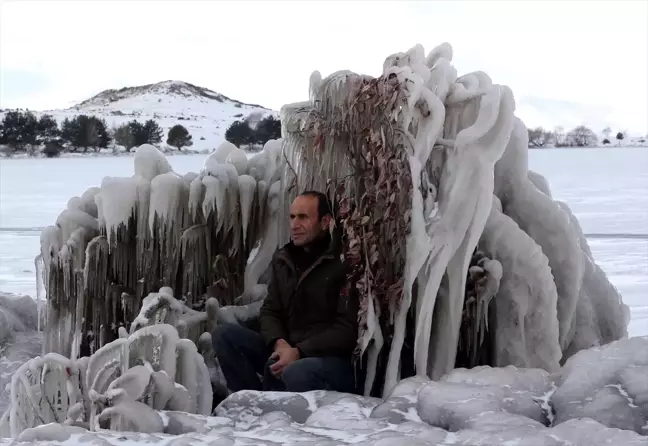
[243,355]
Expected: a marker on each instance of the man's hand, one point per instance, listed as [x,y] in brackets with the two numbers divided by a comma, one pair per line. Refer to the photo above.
[284,355]
[281,344]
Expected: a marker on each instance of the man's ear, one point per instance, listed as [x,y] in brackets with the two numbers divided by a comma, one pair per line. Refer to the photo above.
[325,223]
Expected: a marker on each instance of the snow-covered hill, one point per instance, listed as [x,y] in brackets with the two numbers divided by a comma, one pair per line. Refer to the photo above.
[205,113]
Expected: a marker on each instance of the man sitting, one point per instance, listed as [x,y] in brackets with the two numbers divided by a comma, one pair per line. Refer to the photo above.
[308,329]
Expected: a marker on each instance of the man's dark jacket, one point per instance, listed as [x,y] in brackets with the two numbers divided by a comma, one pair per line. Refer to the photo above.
[304,304]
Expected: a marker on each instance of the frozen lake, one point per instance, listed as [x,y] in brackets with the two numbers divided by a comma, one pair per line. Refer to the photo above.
[607,189]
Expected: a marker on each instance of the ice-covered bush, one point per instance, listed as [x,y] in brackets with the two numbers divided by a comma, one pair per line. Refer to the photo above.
[121,386]
[190,236]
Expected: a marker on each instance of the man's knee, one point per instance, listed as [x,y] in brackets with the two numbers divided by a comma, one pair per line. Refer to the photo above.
[303,375]
[308,374]
[225,336]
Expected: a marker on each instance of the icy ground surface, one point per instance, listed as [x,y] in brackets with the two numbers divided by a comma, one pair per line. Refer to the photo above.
[600,397]
[607,189]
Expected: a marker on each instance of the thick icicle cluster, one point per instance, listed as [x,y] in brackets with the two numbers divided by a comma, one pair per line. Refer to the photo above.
[192,234]
[120,387]
[419,160]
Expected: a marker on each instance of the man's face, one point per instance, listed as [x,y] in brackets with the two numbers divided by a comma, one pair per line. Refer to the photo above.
[305,224]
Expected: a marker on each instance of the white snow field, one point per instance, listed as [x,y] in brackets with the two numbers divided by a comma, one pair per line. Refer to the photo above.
[600,397]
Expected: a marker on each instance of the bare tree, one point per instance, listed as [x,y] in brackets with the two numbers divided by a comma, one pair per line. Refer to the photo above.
[539,137]
[559,137]
[607,131]
[582,136]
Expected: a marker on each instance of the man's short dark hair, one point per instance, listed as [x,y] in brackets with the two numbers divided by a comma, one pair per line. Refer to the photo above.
[323,204]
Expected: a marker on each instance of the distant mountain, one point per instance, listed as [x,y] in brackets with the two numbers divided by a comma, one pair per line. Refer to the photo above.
[205,113]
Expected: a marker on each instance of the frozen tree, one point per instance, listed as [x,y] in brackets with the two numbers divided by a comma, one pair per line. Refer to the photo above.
[582,136]
[619,137]
[413,162]
[539,137]
[120,386]
[607,131]
[559,135]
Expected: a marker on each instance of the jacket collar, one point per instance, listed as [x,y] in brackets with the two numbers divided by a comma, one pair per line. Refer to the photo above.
[322,247]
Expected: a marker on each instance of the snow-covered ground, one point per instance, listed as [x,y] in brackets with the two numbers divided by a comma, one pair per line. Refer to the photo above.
[607,189]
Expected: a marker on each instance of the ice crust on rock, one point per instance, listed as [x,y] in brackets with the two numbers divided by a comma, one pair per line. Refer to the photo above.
[481,406]
[607,384]
[331,418]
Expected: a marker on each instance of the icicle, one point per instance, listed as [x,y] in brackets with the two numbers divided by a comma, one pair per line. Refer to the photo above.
[39,267]
[247,189]
[196,262]
[454,237]
[213,200]
[418,248]
[269,240]
[166,190]
[373,333]
[117,202]
[196,197]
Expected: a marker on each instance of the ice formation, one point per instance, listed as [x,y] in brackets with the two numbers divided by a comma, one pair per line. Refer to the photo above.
[158,230]
[458,253]
[428,168]
[120,387]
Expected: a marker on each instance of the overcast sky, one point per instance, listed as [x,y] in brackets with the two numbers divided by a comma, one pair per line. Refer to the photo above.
[566,62]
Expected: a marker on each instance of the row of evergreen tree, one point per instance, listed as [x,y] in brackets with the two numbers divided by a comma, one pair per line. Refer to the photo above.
[21,130]
[242,133]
